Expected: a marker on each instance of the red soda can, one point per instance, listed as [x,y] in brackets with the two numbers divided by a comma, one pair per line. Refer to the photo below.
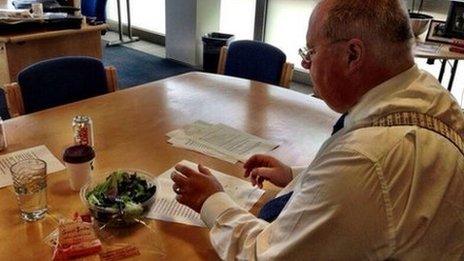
[83,130]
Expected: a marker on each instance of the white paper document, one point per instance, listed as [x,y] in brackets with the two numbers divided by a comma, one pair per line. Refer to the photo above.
[185,142]
[219,141]
[39,152]
[236,143]
[428,47]
[168,209]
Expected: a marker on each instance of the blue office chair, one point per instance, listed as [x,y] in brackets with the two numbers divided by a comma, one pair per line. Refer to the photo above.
[59,81]
[94,9]
[255,61]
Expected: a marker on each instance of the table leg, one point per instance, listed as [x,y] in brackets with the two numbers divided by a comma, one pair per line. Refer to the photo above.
[129,27]
[442,70]
[453,74]
[119,20]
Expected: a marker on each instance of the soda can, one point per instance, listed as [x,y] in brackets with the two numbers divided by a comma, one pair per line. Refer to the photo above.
[83,130]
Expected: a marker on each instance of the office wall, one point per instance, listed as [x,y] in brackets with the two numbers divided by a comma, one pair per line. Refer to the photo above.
[186,22]
[208,12]
[180,30]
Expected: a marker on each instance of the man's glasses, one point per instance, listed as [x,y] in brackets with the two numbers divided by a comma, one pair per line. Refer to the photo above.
[306,53]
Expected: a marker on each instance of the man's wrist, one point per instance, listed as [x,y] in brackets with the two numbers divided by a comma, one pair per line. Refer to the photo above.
[214,206]
[296,170]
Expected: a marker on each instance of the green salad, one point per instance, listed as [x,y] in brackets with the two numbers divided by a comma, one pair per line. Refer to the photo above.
[122,191]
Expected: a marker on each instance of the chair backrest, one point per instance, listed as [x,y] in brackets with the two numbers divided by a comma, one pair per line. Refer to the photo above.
[59,81]
[94,8]
[4,113]
[255,61]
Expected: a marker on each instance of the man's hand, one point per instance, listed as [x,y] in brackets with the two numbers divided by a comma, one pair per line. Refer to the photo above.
[263,167]
[194,187]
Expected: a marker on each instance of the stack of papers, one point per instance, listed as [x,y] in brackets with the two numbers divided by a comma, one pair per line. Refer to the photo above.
[168,209]
[428,47]
[14,16]
[219,141]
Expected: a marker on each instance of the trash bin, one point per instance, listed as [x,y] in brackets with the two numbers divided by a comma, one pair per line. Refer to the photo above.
[212,43]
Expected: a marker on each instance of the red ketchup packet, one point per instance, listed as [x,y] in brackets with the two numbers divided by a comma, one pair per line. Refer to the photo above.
[76,239]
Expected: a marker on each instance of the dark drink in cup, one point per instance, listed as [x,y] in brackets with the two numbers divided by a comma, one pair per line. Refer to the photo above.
[78,160]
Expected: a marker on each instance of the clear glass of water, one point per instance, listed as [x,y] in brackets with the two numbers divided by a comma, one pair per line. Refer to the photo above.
[30,184]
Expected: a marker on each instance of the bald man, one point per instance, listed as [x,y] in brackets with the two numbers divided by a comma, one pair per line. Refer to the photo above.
[388,183]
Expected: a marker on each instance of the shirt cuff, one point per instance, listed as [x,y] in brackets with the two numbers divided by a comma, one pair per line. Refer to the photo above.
[296,170]
[214,206]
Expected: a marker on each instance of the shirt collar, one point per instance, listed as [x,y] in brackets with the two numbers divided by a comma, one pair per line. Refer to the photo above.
[371,102]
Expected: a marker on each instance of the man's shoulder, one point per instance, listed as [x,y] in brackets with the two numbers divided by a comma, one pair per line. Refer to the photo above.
[376,143]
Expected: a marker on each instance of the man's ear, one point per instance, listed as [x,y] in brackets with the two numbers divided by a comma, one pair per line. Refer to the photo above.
[355,54]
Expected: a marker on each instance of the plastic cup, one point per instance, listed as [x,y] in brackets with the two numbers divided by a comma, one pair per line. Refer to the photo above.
[78,160]
[30,184]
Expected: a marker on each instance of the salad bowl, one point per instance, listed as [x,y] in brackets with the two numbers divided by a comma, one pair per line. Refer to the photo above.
[121,197]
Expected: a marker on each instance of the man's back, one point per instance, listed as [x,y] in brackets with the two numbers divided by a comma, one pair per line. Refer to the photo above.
[419,174]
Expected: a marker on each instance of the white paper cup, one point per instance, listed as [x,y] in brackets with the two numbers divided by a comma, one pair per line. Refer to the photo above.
[79,174]
[78,160]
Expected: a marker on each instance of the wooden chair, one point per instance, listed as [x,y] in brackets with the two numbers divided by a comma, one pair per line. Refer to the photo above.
[4,113]
[255,61]
[39,88]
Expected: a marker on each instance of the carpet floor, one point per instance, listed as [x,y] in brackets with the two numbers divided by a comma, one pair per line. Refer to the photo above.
[136,67]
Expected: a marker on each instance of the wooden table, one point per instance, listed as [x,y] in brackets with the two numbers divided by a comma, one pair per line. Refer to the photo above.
[130,127]
[20,50]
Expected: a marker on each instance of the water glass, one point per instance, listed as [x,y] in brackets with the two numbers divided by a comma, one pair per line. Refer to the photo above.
[30,184]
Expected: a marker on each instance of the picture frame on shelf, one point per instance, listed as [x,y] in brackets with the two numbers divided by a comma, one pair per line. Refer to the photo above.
[455,20]
[437,32]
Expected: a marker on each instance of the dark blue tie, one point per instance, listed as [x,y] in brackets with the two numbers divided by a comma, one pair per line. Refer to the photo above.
[271,210]
[339,124]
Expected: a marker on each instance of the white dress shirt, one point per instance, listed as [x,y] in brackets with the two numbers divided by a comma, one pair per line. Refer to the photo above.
[371,193]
